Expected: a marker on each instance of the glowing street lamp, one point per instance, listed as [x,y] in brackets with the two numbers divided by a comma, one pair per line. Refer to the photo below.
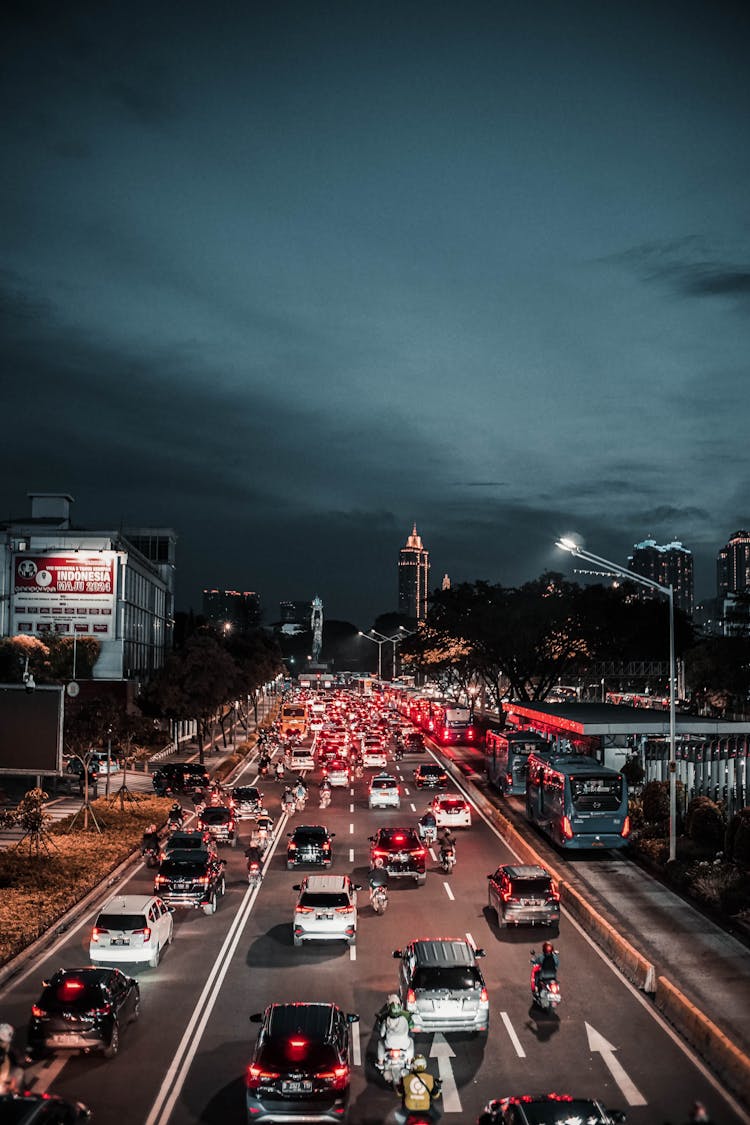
[606,567]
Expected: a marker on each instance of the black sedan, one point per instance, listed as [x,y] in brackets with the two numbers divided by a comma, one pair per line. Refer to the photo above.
[309,843]
[84,1009]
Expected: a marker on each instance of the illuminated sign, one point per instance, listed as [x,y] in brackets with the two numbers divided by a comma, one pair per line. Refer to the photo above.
[70,593]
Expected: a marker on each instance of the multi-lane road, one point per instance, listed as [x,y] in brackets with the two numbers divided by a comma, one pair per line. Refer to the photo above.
[183,1062]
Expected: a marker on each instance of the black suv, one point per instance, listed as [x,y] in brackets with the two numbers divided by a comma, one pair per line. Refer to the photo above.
[41,1109]
[309,843]
[301,1064]
[189,839]
[414,742]
[430,776]
[180,775]
[523,893]
[84,1009]
[546,1109]
[400,852]
[191,878]
[246,800]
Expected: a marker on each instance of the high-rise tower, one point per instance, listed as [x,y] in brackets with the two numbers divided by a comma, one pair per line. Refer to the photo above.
[413,577]
[669,565]
[733,565]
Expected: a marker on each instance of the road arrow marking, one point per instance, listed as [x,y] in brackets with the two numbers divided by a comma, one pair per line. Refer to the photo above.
[628,1089]
[442,1051]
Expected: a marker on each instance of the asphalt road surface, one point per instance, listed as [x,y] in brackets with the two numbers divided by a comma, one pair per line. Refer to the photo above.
[183,1062]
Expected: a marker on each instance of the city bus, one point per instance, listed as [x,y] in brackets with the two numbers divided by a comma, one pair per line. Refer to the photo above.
[293,719]
[576,801]
[451,723]
[506,754]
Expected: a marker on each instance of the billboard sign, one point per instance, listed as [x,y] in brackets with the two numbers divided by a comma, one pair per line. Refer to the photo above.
[65,592]
[31,726]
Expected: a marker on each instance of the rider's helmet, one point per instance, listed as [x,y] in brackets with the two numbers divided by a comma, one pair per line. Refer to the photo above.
[420,1063]
[548,947]
[6,1034]
[152,828]
[394,1005]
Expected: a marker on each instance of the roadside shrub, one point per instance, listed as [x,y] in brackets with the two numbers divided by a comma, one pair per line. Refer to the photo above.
[737,839]
[655,800]
[704,823]
[654,851]
[224,768]
[635,812]
[715,885]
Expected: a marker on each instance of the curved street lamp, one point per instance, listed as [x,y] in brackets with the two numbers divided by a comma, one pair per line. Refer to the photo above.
[379,640]
[604,566]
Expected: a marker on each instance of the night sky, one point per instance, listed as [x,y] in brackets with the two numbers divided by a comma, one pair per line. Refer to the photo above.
[288,277]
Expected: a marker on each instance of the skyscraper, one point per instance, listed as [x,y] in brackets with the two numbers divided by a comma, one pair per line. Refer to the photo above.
[669,565]
[234,610]
[413,577]
[733,565]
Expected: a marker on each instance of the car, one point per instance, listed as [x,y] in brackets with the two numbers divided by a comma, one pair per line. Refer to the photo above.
[106,766]
[299,758]
[451,811]
[337,773]
[309,843]
[326,909]
[246,800]
[186,839]
[548,1109]
[384,792]
[219,821]
[131,928]
[84,1009]
[430,776]
[180,776]
[441,985]
[191,878]
[74,768]
[523,893]
[414,742]
[400,852]
[41,1109]
[301,1065]
[374,756]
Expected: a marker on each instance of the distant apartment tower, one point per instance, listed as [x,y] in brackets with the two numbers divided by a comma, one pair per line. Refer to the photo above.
[733,566]
[232,610]
[670,564]
[296,613]
[413,577]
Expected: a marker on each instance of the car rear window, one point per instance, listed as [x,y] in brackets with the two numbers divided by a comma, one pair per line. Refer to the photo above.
[452,803]
[528,887]
[324,900]
[245,793]
[312,833]
[383,783]
[453,977]
[189,843]
[74,998]
[182,860]
[121,922]
[399,840]
[215,816]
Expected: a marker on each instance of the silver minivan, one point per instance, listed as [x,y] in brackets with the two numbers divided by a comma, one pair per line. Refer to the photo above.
[441,985]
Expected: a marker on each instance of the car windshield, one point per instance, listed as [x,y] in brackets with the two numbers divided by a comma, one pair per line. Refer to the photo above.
[596,793]
[121,922]
[321,900]
[216,815]
[452,977]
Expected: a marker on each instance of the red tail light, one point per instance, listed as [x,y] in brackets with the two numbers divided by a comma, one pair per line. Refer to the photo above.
[484,996]
[103,1011]
[305,910]
[342,909]
[37,1011]
[291,846]
[411,996]
[146,933]
[203,881]
[446,734]
[566,828]
[336,1078]
[418,853]
[160,880]
[470,734]
[380,853]
[97,933]
[553,986]
[255,1076]
[625,830]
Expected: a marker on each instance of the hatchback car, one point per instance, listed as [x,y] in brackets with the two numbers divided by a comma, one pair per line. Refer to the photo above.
[301,1065]
[246,800]
[219,821]
[384,792]
[85,1009]
[400,852]
[309,843]
[326,909]
[430,776]
[523,894]
[131,928]
[451,811]
[548,1109]
[374,755]
[441,985]
[337,773]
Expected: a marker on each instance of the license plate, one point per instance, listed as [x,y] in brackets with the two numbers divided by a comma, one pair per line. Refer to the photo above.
[120,941]
[324,917]
[308,854]
[401,857]
[180,886]
[64,1040]
[302,1087]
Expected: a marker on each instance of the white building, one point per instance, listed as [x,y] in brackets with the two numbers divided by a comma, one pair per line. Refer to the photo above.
[114,586]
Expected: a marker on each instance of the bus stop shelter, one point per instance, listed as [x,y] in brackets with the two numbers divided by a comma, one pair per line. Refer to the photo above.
[711,754]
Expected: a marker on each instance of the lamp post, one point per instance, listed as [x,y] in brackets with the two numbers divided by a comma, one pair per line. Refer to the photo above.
[380,644]
[607,567]
[472,691]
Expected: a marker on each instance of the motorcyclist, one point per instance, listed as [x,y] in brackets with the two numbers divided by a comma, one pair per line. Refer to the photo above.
[300,790]
[279,770]
[428,825]
[11,1071]
[377,877]
[263,763]
[176,813]
[288,799]
[325,786]
[252,855]
[263,821]
[394,1020]
[446,840]
[150,840]
[419,1089]
[545,965]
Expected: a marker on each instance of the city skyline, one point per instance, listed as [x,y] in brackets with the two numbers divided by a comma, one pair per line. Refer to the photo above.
[287,278]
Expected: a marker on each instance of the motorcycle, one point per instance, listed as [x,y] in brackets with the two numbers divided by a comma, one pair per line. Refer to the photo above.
[379,899]
[151,856]
[325,798]
[278,773]
[254,874]
[545,990]
[175,824]
[395,1050]
[299,803]
[447,858]
[289,805]
[427,833]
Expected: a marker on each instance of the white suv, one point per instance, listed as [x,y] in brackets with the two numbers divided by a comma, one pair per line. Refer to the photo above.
[326,909]
[131,928]
[384,792]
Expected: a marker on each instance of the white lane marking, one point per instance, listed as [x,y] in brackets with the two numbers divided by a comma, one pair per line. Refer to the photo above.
[449,892]
[352,953]
[512,1035]
[351,855]
[442,1051]
[351,791]
[356,1046]
[628,1088]
[471,941]
[351,829]
[39,1080]
[406,792]
[433,857]
[413,807]
[351,807]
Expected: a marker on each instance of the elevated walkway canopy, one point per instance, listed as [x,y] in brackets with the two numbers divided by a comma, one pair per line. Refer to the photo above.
[616,720]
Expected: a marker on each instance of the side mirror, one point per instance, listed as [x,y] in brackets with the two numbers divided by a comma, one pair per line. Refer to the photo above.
[479,953]
[357,887]
[371,839]
[289,835]
[490,876]
[256,1017]
[397,953]
[331,834]
[296,887]
[352,1017]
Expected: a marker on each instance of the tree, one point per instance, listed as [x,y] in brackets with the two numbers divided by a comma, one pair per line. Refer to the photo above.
[257,659]
[30,817]
[718,671]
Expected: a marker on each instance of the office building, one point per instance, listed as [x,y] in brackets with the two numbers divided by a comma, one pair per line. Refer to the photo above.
[669,565]
[413,577]
[232,610]
[57,579]
[733,566]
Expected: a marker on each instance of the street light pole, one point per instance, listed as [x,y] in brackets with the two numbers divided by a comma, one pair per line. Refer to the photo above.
[605,566]
[380,649]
